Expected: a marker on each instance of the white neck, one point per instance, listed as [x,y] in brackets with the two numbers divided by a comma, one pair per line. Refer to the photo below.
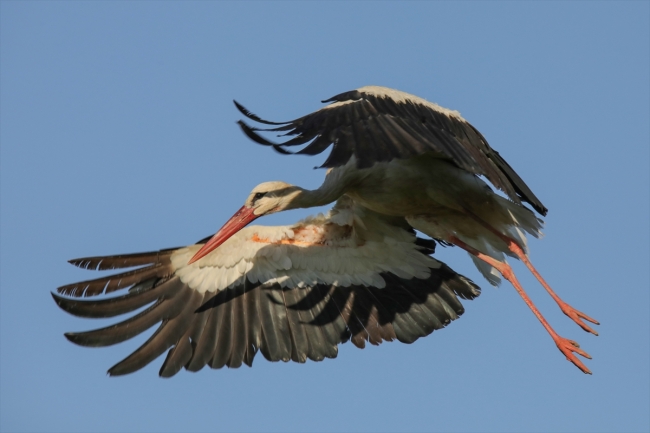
[335,185]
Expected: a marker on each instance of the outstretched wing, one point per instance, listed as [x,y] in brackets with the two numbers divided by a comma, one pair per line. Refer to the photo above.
[376,124]
[292,293]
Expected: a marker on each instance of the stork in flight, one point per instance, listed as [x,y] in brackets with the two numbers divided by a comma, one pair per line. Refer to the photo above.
[398,163]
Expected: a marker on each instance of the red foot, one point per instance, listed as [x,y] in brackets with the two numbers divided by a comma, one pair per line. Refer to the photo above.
[576,315]
[567,346]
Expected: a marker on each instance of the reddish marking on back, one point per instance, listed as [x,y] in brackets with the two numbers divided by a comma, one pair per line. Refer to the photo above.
[310,235]
[298,233]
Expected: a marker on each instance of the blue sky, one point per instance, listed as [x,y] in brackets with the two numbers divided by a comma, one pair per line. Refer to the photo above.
[118,135]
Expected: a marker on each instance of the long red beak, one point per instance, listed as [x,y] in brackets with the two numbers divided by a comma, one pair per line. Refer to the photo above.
[238,221]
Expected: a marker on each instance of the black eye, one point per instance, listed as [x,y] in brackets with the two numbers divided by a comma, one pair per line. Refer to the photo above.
[258,196]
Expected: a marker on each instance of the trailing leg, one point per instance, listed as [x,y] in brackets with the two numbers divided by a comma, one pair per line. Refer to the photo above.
[567,309]
[566,346]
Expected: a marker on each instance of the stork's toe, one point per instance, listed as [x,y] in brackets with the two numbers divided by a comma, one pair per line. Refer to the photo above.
[569,347]
[578,317]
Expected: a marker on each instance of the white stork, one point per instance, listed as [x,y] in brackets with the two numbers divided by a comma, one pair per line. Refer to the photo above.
[398,163]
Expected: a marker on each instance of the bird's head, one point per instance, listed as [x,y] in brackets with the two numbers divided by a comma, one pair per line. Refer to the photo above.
[266,198]
[270,197]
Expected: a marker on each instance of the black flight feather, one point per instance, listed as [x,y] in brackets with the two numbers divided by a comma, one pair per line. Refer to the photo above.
[375,128]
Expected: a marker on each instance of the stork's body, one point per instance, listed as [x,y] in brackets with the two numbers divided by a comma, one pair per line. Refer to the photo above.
[432,187]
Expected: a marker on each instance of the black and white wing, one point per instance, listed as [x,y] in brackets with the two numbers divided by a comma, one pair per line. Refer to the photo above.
[376,124]
[292,293]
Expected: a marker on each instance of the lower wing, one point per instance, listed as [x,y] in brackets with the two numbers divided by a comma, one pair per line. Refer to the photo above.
[229,327]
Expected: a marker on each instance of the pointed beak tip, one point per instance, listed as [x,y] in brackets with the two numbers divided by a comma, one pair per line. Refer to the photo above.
[238,221]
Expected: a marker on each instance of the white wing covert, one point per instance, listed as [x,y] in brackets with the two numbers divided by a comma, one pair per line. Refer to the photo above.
[337,249]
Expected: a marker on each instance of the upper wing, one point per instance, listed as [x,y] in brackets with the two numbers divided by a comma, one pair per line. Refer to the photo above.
[376,124]
[291,292]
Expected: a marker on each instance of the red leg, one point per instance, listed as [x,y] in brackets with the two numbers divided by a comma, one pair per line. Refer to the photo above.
[567,347]
[567,309]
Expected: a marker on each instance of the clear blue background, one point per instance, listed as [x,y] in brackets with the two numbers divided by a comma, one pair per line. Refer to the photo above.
[118,135]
